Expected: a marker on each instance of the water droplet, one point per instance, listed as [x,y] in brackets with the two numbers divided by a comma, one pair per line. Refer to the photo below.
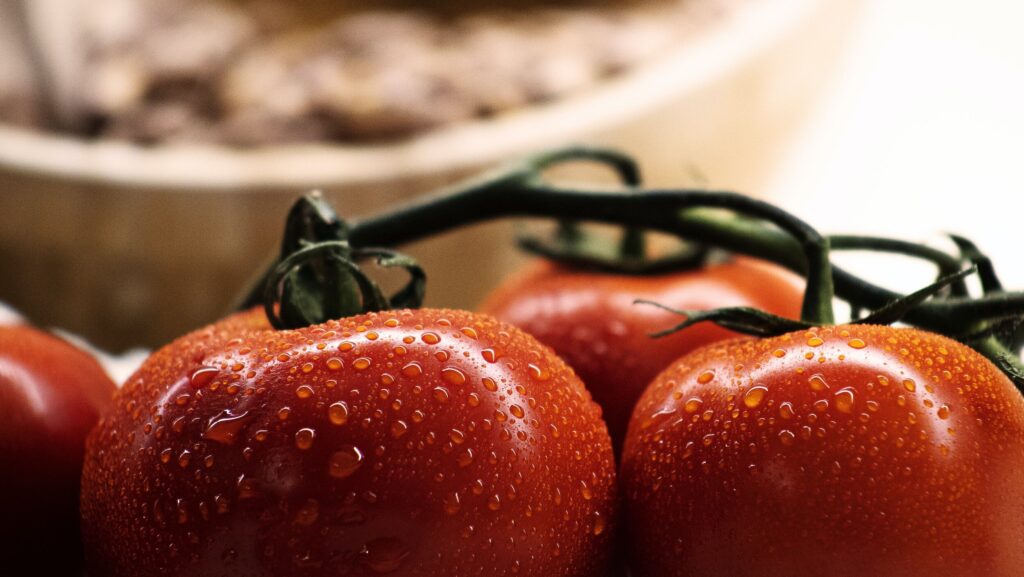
[452,503]
[517,411]
[693,405]
[412,370]
[754,396]
[821,405]
[441,394]
[224,428]
[338,413]
[453,376]
[203,376]
[845,400]
[537,373]
[585,491]
[786,437]
[399,428]
[431,338]
[304,438]
[344,462]
[494,502]
[909,385]
[706,377]
[304,392]
[489,355]
[817,383]
[857,343]
[943,412]
[457,436]
[786,410]
[334,363]
[815,341]
[489,384]
[384,555]
[465,458]
[361,363]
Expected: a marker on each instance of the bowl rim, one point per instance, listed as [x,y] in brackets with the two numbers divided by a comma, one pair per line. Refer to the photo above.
[737,36]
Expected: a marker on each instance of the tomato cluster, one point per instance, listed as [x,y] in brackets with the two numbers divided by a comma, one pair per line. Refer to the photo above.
[339,432]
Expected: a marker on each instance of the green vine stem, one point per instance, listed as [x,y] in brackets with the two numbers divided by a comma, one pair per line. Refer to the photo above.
[768,233]
[520,192]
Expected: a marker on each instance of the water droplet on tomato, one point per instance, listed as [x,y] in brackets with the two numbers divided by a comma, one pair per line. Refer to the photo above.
[338,413]
[453,376]
[224,427]
[786,410]
[845,400]
[344,462]
[384,555]
[304,438]
[754,396]
[817,383]
[203,376]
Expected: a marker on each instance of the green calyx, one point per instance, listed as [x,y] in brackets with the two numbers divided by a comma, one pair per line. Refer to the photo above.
[318,276]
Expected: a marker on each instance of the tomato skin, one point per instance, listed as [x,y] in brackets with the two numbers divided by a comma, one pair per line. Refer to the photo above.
[840,452]
[393,455]
[51,395]
[590,320]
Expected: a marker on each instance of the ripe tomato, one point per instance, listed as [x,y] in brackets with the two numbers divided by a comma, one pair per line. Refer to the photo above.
[843,451]
[413,443]
[51,394]
[591,322]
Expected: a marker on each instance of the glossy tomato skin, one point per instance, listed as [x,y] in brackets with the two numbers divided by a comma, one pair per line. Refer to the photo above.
[51,394]
[412,443]
[840,452]
[590,320]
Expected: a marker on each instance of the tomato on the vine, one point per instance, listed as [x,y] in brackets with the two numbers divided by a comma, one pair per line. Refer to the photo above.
[843,451]
[413,443]
[51,394]
[591,321]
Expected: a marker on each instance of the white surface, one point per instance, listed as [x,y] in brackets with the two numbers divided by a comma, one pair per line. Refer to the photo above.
[921,132]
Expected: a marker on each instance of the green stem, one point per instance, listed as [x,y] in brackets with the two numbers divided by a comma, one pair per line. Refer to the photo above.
[516,193]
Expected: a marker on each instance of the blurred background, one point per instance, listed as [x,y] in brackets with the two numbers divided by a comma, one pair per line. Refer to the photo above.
[149,149]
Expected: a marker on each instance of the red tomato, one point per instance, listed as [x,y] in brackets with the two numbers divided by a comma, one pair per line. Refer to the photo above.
[840,452]
[591,322]
[51,394]
[413,443]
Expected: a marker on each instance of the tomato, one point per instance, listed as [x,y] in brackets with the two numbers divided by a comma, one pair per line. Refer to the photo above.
[412,443]
[51,394]
[590,320]
[843,451]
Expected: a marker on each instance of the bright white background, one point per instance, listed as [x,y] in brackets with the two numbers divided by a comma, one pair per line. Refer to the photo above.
[920,131]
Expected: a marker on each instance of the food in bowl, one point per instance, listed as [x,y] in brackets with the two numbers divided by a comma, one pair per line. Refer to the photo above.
[257,73]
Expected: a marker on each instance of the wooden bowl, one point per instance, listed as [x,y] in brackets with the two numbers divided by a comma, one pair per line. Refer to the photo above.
[131,245]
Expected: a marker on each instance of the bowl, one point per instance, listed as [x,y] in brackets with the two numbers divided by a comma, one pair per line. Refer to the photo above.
[131,245]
